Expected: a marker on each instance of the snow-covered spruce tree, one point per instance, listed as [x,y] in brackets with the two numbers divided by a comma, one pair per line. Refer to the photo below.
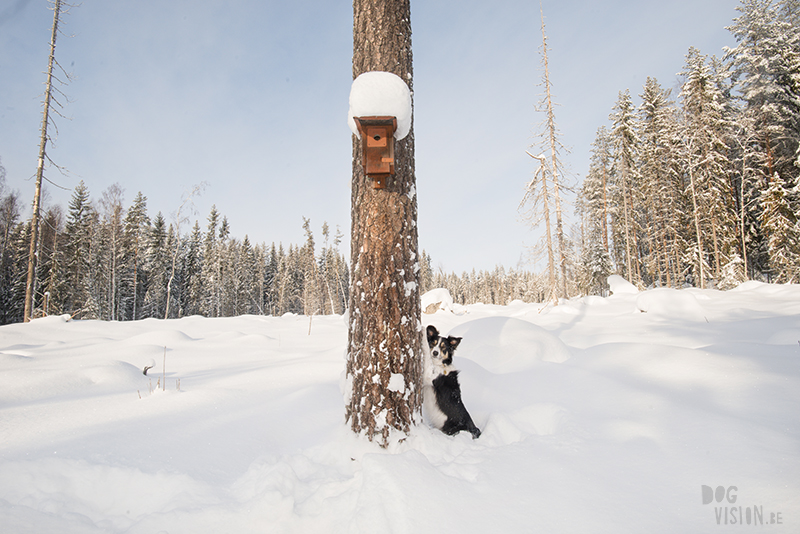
[312,301]
[247,280]
[766,67]
[283,282]
[623,221]
[9,236]
[289,281]
[229,268]
[191,297]
[156,266]
[51,281]
[733,273]
[426,273]
[134,233]
[226,260]
[77,251]
[705,134]
[657,130]
[737,175]
[596,184]
[9,217]
[747,180]
[384,334]
[175,247]
[594,264]
[782,228]
[330,269]
[16,265]
[210,270]
[259,290]
[271,281]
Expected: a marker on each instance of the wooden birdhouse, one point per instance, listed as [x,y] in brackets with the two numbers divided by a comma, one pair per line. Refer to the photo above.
[377,147]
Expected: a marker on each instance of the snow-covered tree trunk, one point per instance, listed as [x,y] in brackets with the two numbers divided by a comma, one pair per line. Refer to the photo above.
[384,345]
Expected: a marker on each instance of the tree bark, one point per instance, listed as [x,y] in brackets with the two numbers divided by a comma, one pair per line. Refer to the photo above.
[384,337]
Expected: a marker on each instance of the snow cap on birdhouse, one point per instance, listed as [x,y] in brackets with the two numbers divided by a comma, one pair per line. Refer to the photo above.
[378,93]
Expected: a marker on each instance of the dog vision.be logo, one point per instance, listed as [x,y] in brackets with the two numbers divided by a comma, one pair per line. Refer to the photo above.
[727,513]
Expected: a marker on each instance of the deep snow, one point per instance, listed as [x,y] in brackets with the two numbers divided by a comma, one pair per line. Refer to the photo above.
[598,415]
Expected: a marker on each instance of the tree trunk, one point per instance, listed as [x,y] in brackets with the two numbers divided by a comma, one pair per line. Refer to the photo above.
[625,209]
[698,234]
[551,127]
[605,208]
[384,345]
[30,286]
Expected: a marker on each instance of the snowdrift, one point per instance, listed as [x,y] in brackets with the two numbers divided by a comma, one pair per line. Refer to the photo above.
[598,415]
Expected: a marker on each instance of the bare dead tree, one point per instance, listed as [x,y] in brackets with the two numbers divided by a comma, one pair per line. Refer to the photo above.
[554,163]
[180,218]
[537,197]
[48,107]
[539,192]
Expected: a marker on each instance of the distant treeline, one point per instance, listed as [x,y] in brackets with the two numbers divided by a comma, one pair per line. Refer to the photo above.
[104,261]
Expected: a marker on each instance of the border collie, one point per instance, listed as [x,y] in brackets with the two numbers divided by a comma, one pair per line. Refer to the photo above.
[441,395]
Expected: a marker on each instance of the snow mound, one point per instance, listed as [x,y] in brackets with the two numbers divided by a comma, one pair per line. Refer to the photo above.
[380,94]
[673,303]
[53,319]
[620,286]
[594,300]
[508,345]
[538,419]
[785,337]
[439,299]
[93,492]
[161,338]
[751,285]
[34,380]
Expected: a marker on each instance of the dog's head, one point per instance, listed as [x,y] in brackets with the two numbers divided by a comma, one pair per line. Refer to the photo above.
[442,348]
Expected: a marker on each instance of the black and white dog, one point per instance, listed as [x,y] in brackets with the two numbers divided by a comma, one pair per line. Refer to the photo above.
[441,394]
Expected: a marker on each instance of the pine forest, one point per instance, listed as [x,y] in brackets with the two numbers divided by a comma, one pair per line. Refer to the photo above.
[111,263]
[701,188]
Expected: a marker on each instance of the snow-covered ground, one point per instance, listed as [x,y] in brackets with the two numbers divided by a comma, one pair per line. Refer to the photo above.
[599,415]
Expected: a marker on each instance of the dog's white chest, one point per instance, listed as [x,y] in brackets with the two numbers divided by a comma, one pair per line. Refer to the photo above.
[431,368]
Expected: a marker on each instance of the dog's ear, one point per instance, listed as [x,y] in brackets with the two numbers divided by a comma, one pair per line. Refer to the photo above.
[453,342]
[432,333]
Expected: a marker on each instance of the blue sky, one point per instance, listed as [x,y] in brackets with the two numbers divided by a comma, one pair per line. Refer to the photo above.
[251,98]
